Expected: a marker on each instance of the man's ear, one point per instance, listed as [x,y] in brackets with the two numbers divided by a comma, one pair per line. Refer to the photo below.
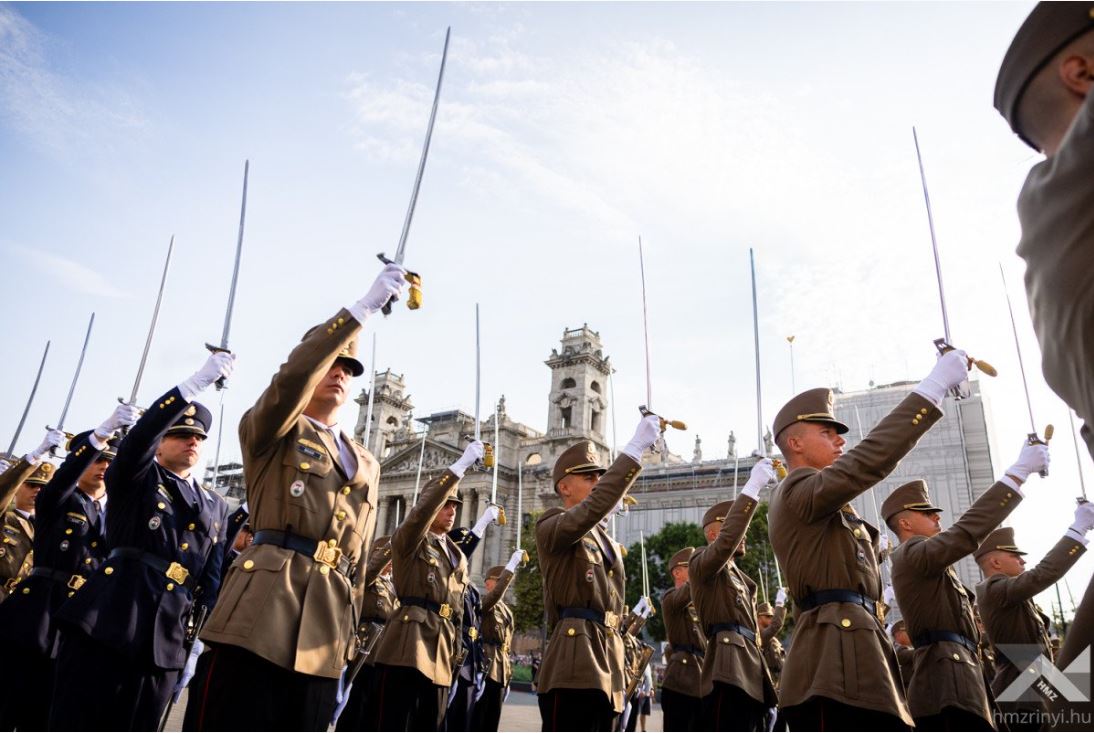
[1077,74]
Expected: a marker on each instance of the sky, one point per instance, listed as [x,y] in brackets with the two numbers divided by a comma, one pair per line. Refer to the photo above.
[565,132]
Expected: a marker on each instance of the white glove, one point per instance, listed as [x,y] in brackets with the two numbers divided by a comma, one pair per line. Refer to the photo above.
[188,669]
[489,515]
[888,595]
[951,369]
[640,607]
[53,439]
[645,435]
[124,416]
[390,282]
[883,543]
[1084,519]
[216,366]
[472,454]
[780,597]
[762,474]
[514,561]
[4,465]
[1032,459]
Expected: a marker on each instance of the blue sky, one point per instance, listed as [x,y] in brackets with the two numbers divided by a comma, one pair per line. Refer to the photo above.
[565,131]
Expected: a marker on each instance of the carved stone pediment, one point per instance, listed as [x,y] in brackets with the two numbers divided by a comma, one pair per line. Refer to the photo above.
[437,455]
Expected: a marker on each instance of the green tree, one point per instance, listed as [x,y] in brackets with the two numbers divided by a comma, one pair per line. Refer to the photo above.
[528,611]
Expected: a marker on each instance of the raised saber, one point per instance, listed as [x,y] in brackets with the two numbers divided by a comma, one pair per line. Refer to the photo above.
[1078,456]
[645,409]
[235,276]
[487,448]
[152,326]
[1033,437]
[494,455]
[414,301]
[220,435]
[371,394]
[780,469]
[421,460]
[76,376]
[30,401]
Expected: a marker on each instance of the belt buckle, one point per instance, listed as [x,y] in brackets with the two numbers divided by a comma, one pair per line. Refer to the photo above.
[177,573]
[473,633]
[76,582]
[445,612]
[611,619]
[327,554]
[879,611]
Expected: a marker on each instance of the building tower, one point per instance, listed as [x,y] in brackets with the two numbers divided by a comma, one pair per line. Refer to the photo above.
[390,413]
[578,402]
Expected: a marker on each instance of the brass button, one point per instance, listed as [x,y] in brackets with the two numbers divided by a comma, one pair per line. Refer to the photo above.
[304,465]
[406,618]
[340,515]
[161,505]
[71,593]
[923,411]
[725,639]
[684,660]
[248,564]
[915,421]
[845,623]
[170,586]
[184,546]
[26,591]
[191,526]
[611,574]
[570,632]
[332,543]
[68,531]
[87,561]
[94,543]
[346,490]
[956,657]
[108,570]
[324,570]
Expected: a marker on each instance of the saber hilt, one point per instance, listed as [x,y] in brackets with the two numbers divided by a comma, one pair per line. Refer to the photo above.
[414,299]
[220,383]
[780,473]
[665,422]
[501,513]
[486,463]
[962,391]
[1035,439]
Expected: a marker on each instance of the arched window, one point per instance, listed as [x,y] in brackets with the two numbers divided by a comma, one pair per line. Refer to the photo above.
[595,387]
[568,383]
[533,459]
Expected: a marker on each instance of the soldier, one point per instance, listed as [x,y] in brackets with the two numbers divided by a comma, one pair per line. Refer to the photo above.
[1043,91]
[420,650]
[69,545]
[497,636]
[1009,613]
[580,681]
[987,656]
[771,622]
[841,671]
[283,633]
[737,688]
[902,644]
[936,606]
[22,481]
[681,690]
[123,636]
[636,658]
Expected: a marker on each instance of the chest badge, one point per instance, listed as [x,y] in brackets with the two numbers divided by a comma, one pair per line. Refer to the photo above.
[297,489]
[154,522]
[431,578]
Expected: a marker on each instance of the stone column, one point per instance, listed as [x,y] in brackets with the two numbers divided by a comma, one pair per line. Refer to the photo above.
[465,509]
[476,559]
[381,517]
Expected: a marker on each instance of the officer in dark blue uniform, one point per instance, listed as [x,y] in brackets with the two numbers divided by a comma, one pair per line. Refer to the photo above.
[69,545]
[123,635]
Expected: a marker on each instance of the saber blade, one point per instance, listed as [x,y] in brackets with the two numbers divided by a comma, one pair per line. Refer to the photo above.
[520,501]
[371,394]
[497,451]
[76,376]
[421,460]
[235,268]
[934,240]
[30,401]
[645,326]
[152,326]
[220,435]
[478,425]
[756,338]
[1018,348]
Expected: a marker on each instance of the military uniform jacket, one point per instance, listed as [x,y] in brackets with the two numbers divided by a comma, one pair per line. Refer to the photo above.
[429,567]
[772,647]
[16,532]
[685,635]
[497,631]
[1009,613]
[840,650]
[582,568]
[905,657]
[295,610]
[931,598]
[126,604]
[474,661]
[723,594]
[236,520]
[69,541]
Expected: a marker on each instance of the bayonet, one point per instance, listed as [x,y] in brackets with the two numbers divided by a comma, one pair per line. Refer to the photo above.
[223,347]
[30,401]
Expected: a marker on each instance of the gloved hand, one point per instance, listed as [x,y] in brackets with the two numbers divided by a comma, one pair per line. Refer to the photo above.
[216,366]
[640,607]
[645,435]
[1084,519]
[53,439]
[762,474]
[888,595]
[1032,459]
[390,282]
[490,514]
[124,416]
[951,369]
[780,597]
[188,669]
[472,454]
[4,465]
[883,543]
[514,561]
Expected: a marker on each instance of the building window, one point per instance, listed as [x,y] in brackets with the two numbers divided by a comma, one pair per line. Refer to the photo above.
[595,421]
[595,387]
[568,383]
[567,416]
[533,459]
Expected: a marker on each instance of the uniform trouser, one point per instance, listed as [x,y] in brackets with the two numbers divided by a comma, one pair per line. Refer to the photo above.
[488,709]
[358,714]
[461,710]
[824,714]
[243,691]
[951,718]
[585,710]
[728,707]
[681,712]
[26,691]
[631,723]
[98,688]
[198,683]
[406,699]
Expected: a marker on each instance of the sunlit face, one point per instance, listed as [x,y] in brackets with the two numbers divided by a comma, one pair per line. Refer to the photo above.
[179,452]
[813,444]
[25,496]
[900,636]
[92,480]
[923,524]
[1007,563]
[445,519]
[576,487]
[490,583]
[680,574]
[333,389]
[764,621]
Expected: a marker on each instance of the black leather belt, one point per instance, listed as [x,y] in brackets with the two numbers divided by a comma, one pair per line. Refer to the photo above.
[927,638]
[176,572]
[71,580]
[443,610]
[688,648]
[821,597]
[319,551]
[610,619]
[742,630]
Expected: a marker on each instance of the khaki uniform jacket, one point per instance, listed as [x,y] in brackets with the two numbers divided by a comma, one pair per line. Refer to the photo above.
[1055,209]
[774,654]
[840,650]
[16,533]
[723,594]
[905,656]
[931,598]
[497,626]
[432,567]
[579,572]
[378,604]
[685,668]
[1009,614]
[285,606]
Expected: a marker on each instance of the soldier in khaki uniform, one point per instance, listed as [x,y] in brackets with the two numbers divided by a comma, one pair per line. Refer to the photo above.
[771,620]
[902,644]
[737,688]
[497,636]
[580,682]
[1009,613]
[18,487]
[421,649]
[681,690]
[283,628]
[841,671]
[937,608]
[1043,90]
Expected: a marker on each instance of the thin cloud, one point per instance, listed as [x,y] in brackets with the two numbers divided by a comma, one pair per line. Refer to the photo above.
[71,274]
